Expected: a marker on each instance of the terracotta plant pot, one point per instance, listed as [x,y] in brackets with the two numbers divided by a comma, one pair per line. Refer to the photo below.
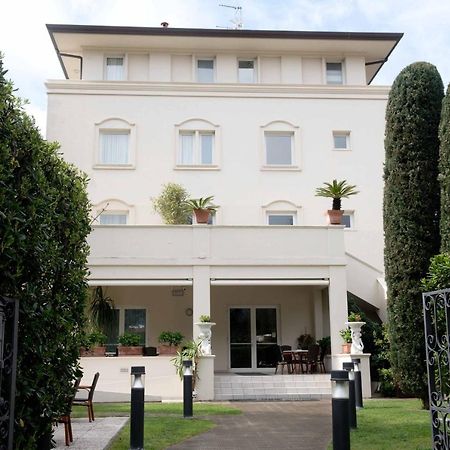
[202,215]
[130,351]
[167,350]
[335,216]
[94,351]
[346,347]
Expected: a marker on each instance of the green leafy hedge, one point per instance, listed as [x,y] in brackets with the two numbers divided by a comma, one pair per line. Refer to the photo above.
[44,223]
[444,172]
[411,213]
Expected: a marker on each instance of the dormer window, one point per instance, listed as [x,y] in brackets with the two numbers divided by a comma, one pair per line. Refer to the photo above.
[114,70]
[205,70]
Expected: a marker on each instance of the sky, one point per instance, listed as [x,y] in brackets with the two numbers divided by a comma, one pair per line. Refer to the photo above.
[30,58]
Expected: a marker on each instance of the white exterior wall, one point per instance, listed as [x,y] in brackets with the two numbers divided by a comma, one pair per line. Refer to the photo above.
[240,186]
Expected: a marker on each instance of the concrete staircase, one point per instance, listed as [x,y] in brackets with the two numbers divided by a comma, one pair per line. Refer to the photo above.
[271,387]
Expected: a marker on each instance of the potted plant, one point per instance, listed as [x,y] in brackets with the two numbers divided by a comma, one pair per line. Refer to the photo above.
[202,208]
[170,341]
[130,345]
[355,323]
[304,341]
[346,336]
[205,334]
[336,190]
[172,204]
[94,344]
[191,350]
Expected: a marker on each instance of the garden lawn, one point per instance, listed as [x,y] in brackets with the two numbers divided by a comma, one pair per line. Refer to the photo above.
[164,424]
[388,424]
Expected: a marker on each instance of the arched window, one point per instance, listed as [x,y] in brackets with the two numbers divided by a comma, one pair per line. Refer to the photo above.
[281,212]
[113,212]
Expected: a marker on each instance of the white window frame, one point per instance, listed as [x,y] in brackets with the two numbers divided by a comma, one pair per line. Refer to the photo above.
[255,70]
[351,214]
[205,58]
[124,66]
[344,133]
[281,208]
[114,125]
[122,309]
[197,127]
[113,206]
[281,127]
[331,61]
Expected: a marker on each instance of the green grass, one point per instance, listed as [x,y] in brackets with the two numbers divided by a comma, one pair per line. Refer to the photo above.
[123,409]
[164,424]
[160,432]
[388,424]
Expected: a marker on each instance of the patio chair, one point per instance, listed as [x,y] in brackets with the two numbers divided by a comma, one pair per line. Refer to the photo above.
[310,361]
[285,359]
[87,401]
[321,359]
[66,419]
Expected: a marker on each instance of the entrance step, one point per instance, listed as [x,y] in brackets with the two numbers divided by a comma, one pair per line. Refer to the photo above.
[272,387]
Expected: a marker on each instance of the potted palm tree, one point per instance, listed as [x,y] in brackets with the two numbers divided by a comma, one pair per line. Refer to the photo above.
[202,208]
[336,190]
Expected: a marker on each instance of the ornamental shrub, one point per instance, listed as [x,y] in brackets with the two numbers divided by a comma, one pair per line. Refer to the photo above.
[44,222]
[438,276]
[444,172]
[171,205]
[411,214]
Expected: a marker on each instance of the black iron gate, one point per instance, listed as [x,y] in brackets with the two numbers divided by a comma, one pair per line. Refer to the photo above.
[436,307]
[9,313]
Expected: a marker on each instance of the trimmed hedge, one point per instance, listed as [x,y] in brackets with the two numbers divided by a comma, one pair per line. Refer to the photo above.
[411,213]
[44,222]
[444,172]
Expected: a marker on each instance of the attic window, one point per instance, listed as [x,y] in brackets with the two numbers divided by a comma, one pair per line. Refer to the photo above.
[114,68]
[334,73]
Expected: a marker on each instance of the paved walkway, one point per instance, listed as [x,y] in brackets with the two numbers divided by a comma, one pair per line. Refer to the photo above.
[90,435]
[268,425]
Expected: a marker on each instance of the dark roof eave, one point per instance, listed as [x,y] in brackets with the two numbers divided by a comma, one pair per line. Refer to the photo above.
[210,32]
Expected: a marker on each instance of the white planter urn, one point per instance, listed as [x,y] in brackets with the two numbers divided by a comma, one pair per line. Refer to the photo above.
[205,336]
[357,343]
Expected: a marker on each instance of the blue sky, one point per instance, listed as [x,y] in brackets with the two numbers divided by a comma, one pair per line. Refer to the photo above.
[30,58]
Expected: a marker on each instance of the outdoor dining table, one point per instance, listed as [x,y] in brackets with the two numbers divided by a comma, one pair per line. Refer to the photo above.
[297,356]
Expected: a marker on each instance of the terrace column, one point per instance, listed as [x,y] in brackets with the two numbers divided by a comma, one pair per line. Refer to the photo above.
[337,297]
[202,306]
[318,314]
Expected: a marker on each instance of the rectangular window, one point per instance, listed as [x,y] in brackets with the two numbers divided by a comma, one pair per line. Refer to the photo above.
[196,148]
[278,148]
[111,329]
[114,147]
[205,70]
[341,140]
[334,73]
[280,219]
[347,220]
[135,323]
[113,218]
[246,71]
[114,68]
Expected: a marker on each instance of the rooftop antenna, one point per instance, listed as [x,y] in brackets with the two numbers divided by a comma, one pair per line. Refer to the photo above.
[237,21]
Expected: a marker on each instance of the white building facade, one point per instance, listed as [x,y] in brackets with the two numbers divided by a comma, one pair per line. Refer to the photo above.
[259,119]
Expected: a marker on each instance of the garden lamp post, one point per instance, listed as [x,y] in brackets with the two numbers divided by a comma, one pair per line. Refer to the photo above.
[187,389]
[358,383]
[348,366]
[137,408]
[339,408]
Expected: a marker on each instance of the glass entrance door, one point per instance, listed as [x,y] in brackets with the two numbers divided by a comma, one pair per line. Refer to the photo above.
[253,335]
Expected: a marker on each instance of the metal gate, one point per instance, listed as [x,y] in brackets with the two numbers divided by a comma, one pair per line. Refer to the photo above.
[436,307]
[9,313]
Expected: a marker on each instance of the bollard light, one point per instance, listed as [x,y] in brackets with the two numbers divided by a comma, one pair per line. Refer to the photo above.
[339,408]
[187,389]
[137,408]
[349,366]
[358,383]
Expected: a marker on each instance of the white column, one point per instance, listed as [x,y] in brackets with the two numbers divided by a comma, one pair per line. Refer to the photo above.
[201,296]
[337,297]
[318,314]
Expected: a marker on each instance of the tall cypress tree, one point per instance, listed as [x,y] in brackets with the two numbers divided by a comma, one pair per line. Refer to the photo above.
[411,213]
[444,172]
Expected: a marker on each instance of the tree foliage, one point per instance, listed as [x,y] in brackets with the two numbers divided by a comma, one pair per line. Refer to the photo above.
[444,172]
[44,222]
[411,213]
